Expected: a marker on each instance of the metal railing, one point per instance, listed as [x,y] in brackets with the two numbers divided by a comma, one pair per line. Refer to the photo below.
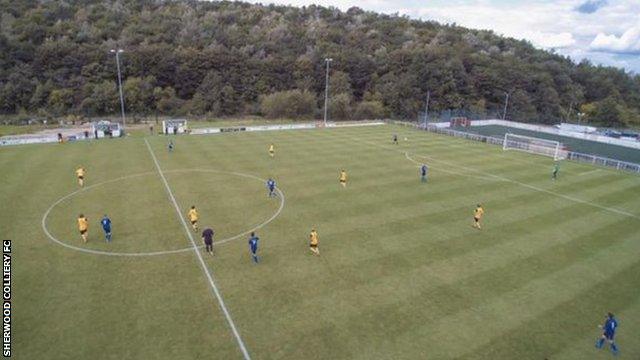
[571,155]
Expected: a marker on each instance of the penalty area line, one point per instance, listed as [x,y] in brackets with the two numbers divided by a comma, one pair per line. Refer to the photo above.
[502,178]
[539,189]
[205,269]
[589,172]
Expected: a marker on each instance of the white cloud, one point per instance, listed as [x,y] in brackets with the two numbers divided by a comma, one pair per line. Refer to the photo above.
[548,24]
[627,43]
[550,40]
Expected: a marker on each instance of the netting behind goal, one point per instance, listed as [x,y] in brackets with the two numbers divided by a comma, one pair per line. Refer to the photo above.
[174,126]
[534,145]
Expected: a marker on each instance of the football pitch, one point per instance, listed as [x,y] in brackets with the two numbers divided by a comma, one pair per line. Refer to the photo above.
[402,273]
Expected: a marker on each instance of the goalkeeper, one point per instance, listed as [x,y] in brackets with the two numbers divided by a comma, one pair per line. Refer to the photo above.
[556,169]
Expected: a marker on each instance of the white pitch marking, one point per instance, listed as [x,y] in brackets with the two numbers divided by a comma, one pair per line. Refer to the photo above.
[449,171]
[153,253]
[532,187]
[205,269]
[589,172]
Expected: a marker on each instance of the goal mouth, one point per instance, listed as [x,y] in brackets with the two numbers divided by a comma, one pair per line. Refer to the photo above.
[534,145]
[174,126]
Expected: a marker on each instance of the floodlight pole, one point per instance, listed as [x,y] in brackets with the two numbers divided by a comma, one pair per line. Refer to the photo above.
[506,104]
[426,109]
[326,90]
[118,52]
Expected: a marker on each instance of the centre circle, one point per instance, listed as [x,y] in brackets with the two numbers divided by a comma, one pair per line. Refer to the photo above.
[197,194]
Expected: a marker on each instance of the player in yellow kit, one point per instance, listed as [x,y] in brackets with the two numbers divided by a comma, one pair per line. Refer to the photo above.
[80,172]
[477,215]
[272,150]
[313,242]
[193,217]
[83,227]
[343,178]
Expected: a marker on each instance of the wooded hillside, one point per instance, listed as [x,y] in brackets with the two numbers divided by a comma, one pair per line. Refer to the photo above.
[233,58]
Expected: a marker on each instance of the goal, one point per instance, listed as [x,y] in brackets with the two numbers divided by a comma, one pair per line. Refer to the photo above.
[534,145]
[174,126]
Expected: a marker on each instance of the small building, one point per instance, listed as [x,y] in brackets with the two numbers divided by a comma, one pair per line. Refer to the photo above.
[105,128]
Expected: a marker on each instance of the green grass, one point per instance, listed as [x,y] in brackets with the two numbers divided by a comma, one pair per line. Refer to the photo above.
[578,145]
[6,130]
[402,274]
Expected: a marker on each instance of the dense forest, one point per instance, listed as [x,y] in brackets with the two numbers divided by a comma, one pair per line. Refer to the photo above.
[216,59]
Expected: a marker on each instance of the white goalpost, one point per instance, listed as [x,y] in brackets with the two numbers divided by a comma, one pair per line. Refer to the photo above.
[174,126]
[534,145]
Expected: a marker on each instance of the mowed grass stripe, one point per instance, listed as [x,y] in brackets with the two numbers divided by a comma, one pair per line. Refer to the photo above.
[419,156]
[325,326]
[528,159]
[367,237]
[579,344]
[550,291]
[362,205]
[442,301]
[555,193]
[549,325]
[377,295]
[491,150]
[82,296]
[398,258]
[341,153]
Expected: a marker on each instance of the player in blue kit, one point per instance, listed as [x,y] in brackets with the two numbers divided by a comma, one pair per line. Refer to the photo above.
[609,331]
[423,172]
[253,247]
[271,185]
[106,226]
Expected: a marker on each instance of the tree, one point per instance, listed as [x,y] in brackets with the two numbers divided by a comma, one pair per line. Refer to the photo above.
[521,107]
[215,96]
[340,107]
[138,94]
[608,113]
[167,102]
[340,83]
[18,89]
[369,110]
[103,99]
[588,110]
[60,101]
[40,95]
[226,58]
[289,104]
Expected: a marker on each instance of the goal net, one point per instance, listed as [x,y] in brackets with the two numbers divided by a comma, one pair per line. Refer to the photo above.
[174,126]
[534,145]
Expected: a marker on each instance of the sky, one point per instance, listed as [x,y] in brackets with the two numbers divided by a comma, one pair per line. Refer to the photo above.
[606,32]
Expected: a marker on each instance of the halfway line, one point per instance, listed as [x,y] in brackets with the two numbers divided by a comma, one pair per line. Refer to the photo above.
[208,274]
